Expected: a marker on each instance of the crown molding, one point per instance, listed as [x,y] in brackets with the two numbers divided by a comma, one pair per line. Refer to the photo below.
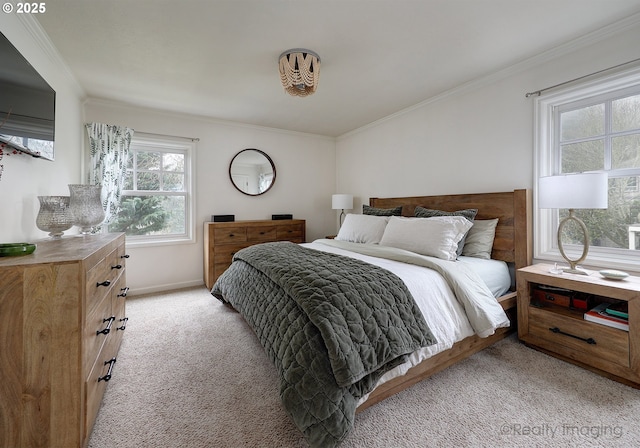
[44,43]
[104,102]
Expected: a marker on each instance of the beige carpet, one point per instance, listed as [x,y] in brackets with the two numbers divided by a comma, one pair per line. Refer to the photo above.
[191,373]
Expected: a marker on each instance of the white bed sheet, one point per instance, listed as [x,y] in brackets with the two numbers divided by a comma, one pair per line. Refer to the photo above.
[443,313]
[494,273]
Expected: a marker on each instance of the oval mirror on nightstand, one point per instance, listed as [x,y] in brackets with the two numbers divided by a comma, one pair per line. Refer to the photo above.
[252,172]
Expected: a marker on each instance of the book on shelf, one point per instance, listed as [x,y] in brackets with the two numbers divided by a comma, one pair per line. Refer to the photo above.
[620,309]
[599,315]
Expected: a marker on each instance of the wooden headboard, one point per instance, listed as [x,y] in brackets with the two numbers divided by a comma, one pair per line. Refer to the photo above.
[513,242]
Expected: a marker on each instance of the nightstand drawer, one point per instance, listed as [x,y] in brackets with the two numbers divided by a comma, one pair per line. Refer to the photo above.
[578,339]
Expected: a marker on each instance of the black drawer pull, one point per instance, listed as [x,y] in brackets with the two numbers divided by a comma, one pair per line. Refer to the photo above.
[124,256]
[107,329]
[107,377]
[123,292]
[231,235]
[104,283]
[587,340]
[118,266]
[124,324]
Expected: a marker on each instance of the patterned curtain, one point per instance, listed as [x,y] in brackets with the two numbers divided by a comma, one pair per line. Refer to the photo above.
[109,150]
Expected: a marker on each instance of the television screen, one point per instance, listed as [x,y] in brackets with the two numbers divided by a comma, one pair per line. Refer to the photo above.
[27,105]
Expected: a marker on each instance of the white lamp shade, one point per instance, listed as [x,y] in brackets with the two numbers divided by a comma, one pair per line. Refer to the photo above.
[342,201]
[584,190]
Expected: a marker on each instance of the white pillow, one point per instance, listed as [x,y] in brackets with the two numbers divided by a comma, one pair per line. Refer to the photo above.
[479,240]
[362,228]
[436,237]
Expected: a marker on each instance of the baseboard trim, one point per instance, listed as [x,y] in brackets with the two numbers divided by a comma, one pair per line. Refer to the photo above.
[164,288]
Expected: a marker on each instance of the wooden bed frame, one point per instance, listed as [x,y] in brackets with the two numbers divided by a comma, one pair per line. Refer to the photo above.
[512,244]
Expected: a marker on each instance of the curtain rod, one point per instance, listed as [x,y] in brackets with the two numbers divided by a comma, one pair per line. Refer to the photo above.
[539,92]
[193,139]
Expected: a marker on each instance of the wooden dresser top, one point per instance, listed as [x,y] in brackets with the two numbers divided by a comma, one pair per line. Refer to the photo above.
[65,249]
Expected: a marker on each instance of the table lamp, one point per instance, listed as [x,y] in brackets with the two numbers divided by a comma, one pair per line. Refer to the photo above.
[342,202]
[574,191]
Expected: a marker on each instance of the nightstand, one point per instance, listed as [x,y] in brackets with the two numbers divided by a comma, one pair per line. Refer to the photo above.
[549,323]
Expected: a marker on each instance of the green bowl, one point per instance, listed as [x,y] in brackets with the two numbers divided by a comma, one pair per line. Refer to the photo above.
[13,249]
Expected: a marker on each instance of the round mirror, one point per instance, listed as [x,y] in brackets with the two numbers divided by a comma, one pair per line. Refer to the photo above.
[252,172]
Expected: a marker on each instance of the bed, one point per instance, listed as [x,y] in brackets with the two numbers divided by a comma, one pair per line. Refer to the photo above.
[338,358]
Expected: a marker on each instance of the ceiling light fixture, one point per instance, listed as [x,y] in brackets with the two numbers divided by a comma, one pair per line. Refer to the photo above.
[299,71]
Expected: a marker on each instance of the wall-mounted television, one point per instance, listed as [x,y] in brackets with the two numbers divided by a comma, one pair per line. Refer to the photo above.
[27,105]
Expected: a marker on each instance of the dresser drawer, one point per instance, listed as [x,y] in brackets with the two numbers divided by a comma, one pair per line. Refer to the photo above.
[569,337]
[224,254]
[100,278]
[262,233]
[226,235]
[117,262]
[95,385]
[118,310]
[291,232]
[98,326]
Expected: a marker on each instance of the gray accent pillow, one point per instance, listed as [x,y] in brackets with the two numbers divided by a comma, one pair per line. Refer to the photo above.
[368,210]
[469,213]
[479,242]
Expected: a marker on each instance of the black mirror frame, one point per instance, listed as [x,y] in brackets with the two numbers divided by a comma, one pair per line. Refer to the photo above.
[273,167]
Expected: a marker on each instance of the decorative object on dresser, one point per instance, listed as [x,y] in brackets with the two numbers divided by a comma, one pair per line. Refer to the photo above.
[342,202]
[62,319]
[55,215]
[86,206]
[571,333]
[16,249]
[574,191]
[252,172]
[281,216]
[223,218]
[223,239]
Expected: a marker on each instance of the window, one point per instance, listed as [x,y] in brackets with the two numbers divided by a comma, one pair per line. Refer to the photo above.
[593,127]
[156,205]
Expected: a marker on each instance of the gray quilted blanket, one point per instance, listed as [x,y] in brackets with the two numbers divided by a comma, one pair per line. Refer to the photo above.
[332,325]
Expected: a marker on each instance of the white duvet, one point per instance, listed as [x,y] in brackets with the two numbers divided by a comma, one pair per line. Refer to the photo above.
[447,316]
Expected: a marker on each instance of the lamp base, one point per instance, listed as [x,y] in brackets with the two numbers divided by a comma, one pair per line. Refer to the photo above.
[575,271]
[573,268]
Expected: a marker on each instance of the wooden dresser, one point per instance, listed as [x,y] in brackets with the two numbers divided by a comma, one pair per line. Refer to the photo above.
[61,324]
[223,239]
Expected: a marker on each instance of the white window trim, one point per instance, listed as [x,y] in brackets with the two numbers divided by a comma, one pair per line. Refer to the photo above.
[171,145]
[545,247]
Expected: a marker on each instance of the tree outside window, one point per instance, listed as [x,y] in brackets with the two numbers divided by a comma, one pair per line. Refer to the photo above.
[155,204]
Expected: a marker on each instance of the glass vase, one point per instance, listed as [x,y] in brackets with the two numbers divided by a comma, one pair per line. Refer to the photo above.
[86,206]
[54,215]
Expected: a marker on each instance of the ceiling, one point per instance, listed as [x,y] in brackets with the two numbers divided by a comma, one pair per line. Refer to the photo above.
[219,58]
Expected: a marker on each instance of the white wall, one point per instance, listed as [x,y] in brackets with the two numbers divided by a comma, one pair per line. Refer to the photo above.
[305,180]
[477,138]
[24,178]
